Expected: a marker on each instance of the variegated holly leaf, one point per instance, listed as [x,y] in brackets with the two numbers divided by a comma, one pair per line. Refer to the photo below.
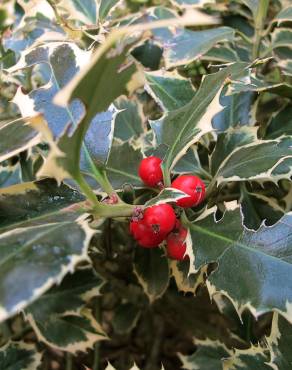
[209,356]
[228,141]
[167,195]
[185,281]
[19,135]
[169,89]
[251,265]
[19,356]
[186,45]
[129,120]
[9,175]
[280,124]
[279,342]
[255,357]
[125,317]
[254,84]
[27,203]
[190,3]
[256,161]
[84,11]
[35,27]
[105,7]
[190,163]
[152,271]
[64,60]
[285,15]
[91,88]
[179,129]
[258,209]
[122,165]
[61,311]
[221,53]
[281,38]
[236,112]
[33,258]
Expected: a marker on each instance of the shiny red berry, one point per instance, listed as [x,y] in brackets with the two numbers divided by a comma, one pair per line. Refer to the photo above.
[175,243]
[161,218]
[153,228]
[150,171]
[191,185]
[144,235]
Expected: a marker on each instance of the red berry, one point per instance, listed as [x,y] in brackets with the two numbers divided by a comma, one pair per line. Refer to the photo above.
[144,235]
[191,185]
[150,171]
[156,223]
[175,243]
[161,218]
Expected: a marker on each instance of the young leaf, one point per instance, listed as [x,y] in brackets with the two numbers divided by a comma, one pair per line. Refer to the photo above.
[19,356]
[61,311]
[152,271]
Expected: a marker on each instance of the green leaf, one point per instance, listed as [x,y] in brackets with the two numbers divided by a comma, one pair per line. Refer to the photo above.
[169,89]
[125,317]
[81,10]
[58,317]
[221,53]
[152,271]
[109,65]
[209,356]
[279,342]
[185,281]
[252,83]
[251,265]
[19,356]
[281,37]
[190,163]
[228,141]
[285,15]
[186,46]
[33,258]
[167,195]
[105,7]
[129,120]
[179,129]
[255,161]
[259,210]
[28,202]
[190,3]
[122,165]
[280,124]
[236,112]
[255,357]
[18,135]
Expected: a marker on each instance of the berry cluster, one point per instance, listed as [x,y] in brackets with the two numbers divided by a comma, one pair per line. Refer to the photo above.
[159,222]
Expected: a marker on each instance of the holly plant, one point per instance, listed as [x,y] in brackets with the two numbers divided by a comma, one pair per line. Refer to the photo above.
[145,184]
